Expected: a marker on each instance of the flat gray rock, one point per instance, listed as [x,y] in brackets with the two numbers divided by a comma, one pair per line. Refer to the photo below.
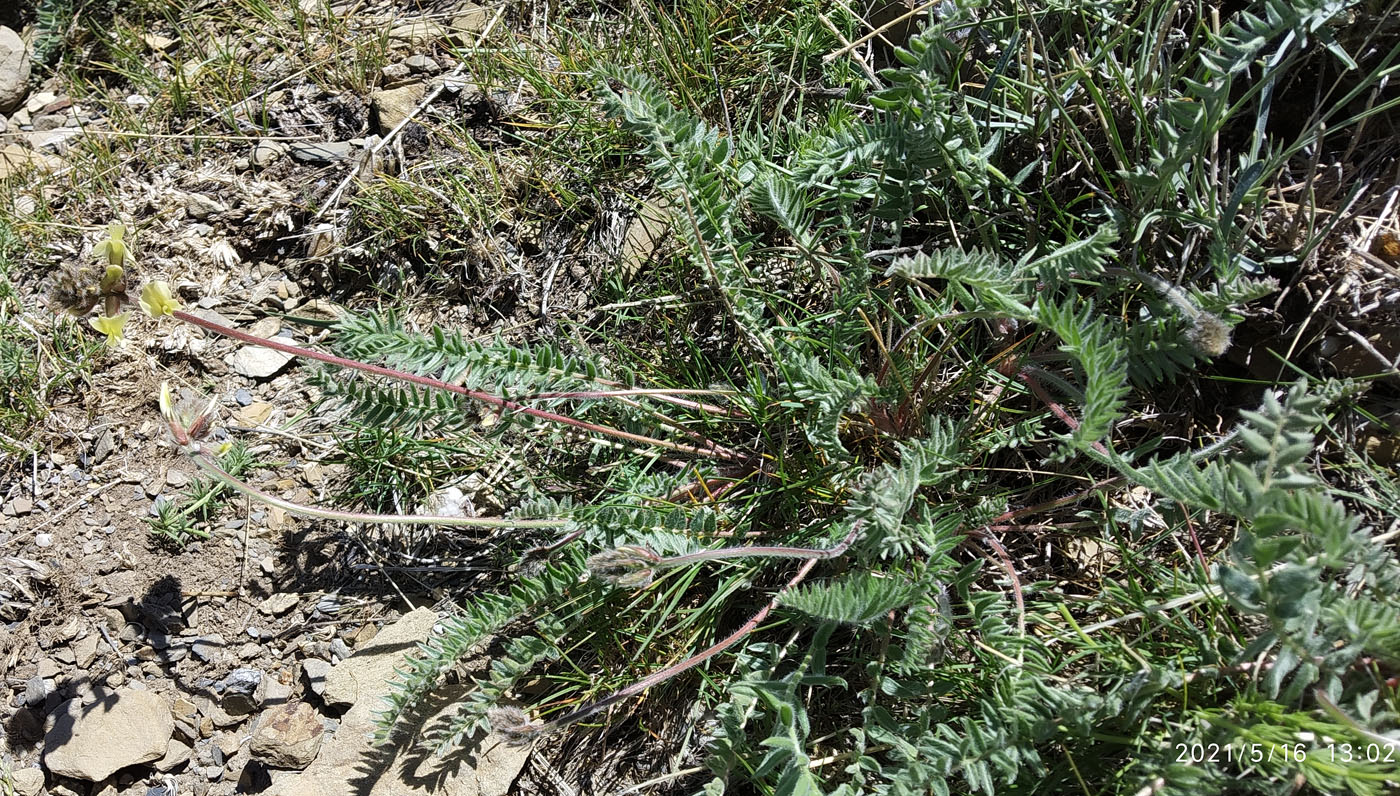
[322,153]
[257,362]
[343,760]
[14,70]
[287,736]
[122,729]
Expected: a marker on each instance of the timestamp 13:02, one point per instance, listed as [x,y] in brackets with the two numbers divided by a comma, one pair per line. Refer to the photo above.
[1285,753]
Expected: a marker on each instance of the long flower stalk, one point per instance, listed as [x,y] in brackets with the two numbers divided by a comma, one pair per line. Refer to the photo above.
[207,464]
[518,728]
[709,449]
[685,665]
[635,567]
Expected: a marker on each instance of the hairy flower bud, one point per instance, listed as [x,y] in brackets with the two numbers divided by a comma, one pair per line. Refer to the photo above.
[514,724]
[1209,335]
[628,567]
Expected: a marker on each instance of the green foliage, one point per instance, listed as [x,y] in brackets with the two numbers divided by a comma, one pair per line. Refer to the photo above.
[856,601]
[456,636]
[182,520]
[967,370]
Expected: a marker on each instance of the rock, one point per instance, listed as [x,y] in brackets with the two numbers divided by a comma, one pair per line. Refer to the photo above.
[421,63]
[241,693]
[242,396]
[176,755]
[275,692]
[471,21]
[287,736]
[278,604]
[122,729]
[392,105]
[55,141]
[395,73]
[48,668]
[15,159]
[257,362]
[367,672]
[645,234]
[19,507]
[266,152]
[70,629]
[14,70]
[186,730]
[340,766]
[266,328]
[216,716]
[227,744]
[419,31]
[316,671]
[202,207]
[364,635]
[27,781]
[158,43]
[183,709]
[254,414]
[323,153]
[40,100]
[49,121]
[340,649]
[36,690]
[208,647]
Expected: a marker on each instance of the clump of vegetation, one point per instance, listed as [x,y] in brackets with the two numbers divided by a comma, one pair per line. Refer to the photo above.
[185,519]
[909,495]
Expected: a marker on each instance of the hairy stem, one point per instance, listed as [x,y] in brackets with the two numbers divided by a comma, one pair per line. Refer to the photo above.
[812,557]
[207,464]
[708,449]
[687,664]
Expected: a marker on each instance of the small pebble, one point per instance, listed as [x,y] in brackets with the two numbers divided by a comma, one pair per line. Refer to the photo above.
[339,649]
[243,396]
[43,539]
[35,690]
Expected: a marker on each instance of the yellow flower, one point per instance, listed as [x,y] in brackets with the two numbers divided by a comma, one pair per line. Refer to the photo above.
[112,279]
[110,325]
[167,406]
[114,249]
[156,299]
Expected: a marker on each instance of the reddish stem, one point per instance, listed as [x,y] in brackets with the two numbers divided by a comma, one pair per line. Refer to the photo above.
[711,449]
[1055,408]
[689,663]
[715,649]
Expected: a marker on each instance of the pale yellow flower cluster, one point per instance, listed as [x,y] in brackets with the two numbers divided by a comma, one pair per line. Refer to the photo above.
[156,297]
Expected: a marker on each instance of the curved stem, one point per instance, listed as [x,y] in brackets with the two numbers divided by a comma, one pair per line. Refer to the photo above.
[207,464]
[710,449]
[811,556]
[763,552]
[689,663]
